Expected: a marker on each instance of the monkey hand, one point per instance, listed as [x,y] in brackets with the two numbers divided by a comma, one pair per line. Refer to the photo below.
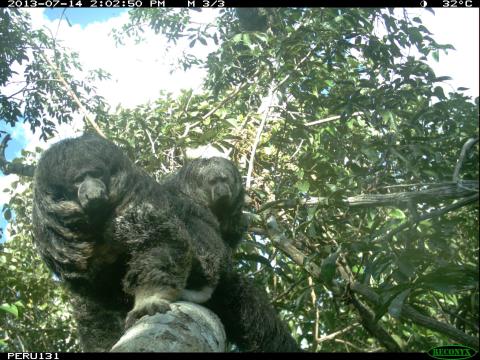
[147,305]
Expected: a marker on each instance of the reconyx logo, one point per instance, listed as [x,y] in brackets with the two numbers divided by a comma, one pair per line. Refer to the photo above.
[451,352]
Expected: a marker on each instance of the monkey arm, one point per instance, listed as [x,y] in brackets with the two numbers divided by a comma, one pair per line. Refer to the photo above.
[160,258]
[156,277]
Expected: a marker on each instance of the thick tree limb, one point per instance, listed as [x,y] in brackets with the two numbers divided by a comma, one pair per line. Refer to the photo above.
[372,326]
[435,194]
[187,327]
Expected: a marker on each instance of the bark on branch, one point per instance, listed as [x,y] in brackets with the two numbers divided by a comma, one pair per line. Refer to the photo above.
[10,167]
[435,194]
[187,327]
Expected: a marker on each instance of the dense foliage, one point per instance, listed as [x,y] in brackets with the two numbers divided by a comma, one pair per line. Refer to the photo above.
[317,106]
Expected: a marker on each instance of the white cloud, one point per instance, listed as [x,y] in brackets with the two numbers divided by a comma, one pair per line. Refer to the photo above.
[139,71]
[458,27]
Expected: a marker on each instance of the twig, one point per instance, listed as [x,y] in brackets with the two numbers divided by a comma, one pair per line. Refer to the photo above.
[427,216]
[348,343]
[152,143]
[258,136]
[295,68]
[297,150]
[187,129]
[72,94]
[331,118]
[291,203]
[231,95]
[332,336]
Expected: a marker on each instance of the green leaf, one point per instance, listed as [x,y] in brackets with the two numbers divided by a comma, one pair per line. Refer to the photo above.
[395,307]
[237,38]
[450,279]
[442,78]
[406,267]
[12,309]
[246,39]
[303,186]
[329,267]
[7,214]
[397,214]
[438,91]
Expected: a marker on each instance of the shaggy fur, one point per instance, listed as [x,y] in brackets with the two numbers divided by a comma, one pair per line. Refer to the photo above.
[113,236]
[126,246]
[250,320]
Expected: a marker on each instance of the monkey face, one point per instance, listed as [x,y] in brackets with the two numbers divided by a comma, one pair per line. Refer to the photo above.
[91,192]
[218,183]
[78,181]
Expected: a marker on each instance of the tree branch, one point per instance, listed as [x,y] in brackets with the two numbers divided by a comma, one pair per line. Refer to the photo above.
[13,168]
[466,147]
[72,94]
[258,136]
[187,327]
[333,335]
[437,193]
[369,323]
[408,312]
[331,118]
[231,95]
[427,216]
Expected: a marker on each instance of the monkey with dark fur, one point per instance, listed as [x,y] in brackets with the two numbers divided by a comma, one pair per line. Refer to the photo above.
[250,320]
[126,246]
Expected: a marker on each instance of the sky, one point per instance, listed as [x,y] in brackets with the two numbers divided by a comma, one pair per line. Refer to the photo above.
[140,72]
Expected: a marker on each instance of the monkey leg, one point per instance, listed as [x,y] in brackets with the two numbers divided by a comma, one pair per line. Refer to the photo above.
[99,327]
[250,320]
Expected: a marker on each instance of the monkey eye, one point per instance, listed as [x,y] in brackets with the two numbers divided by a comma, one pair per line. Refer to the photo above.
[57,193]
[115,168]
[92,173]
[218,179]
